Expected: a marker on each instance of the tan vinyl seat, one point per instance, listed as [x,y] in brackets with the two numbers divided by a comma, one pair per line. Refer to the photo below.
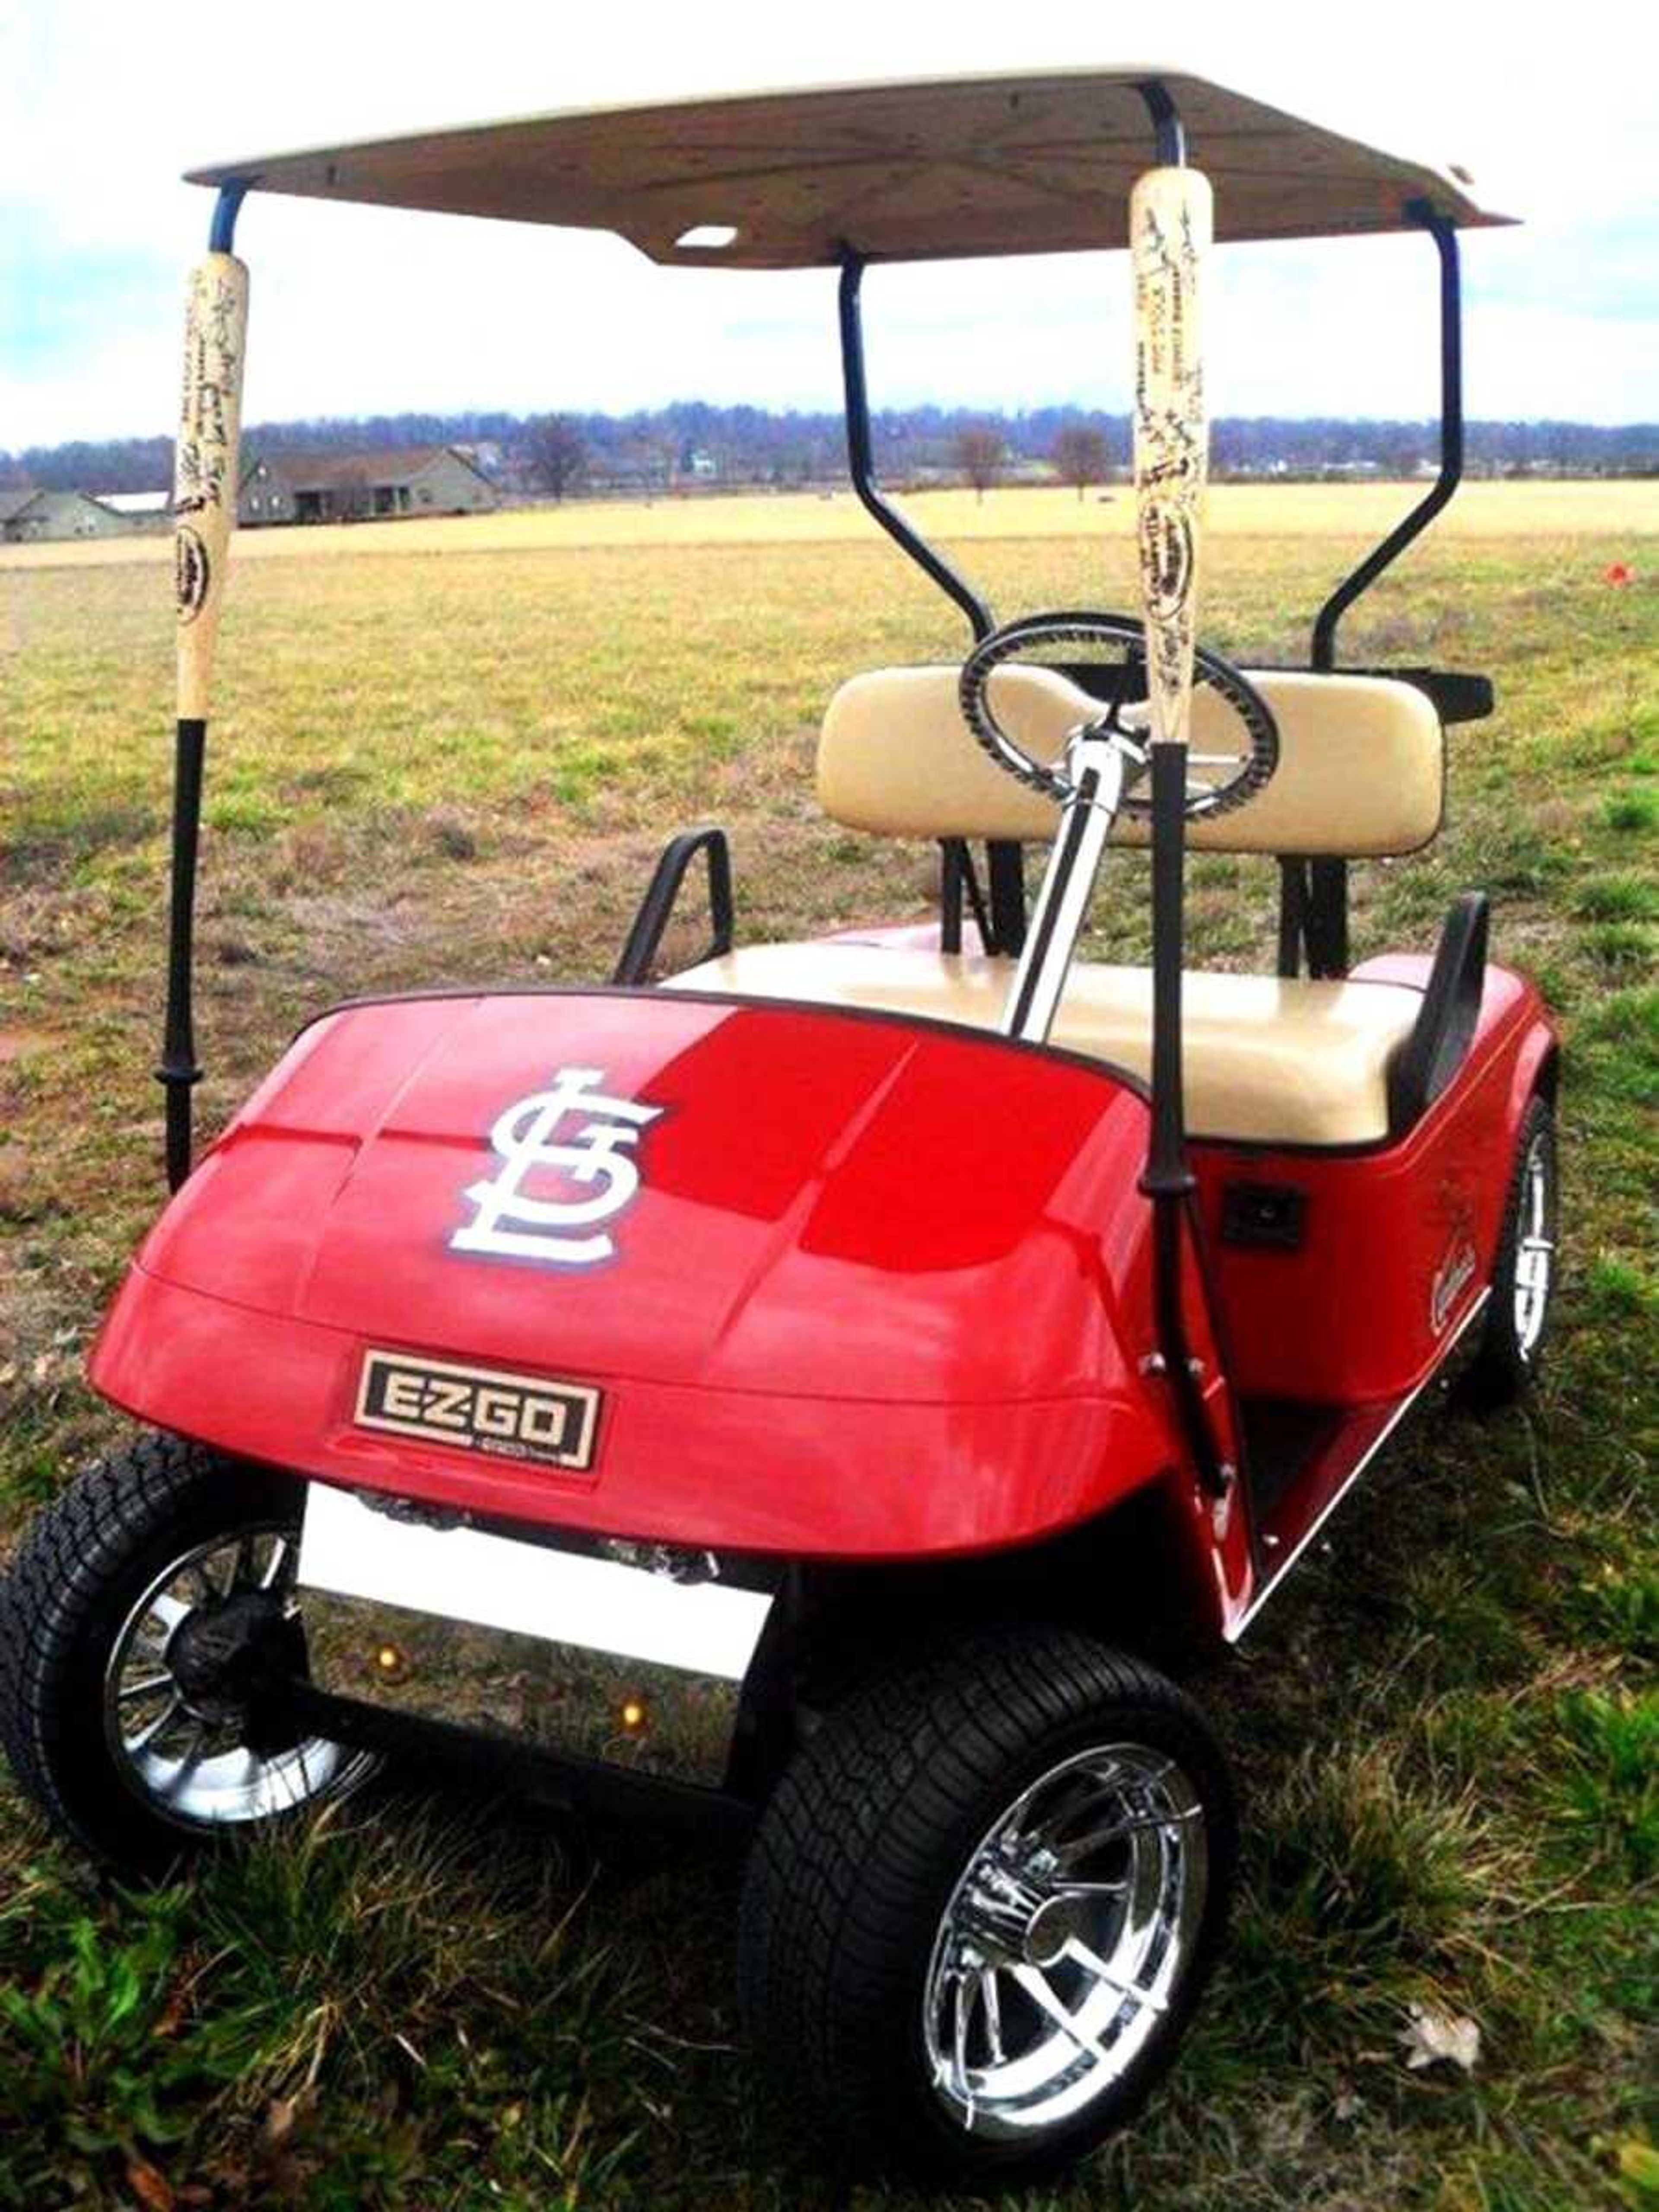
[1361,761]
[1265,1061]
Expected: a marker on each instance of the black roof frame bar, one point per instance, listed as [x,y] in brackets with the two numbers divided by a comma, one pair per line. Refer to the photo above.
[1004,867]
[862,463]
[1312,902]
[1444,235]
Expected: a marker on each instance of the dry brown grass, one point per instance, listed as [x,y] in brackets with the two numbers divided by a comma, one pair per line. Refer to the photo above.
[1624,509]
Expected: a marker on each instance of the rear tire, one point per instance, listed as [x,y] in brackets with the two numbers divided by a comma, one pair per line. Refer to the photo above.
[138,1620]
[1515,1326]
[939,1832]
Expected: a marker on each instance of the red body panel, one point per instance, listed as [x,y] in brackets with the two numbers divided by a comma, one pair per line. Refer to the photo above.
[1398,1240]
[882,1289]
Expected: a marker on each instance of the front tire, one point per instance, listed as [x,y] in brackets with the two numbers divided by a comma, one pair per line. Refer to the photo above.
[982,1904]
[147,1610]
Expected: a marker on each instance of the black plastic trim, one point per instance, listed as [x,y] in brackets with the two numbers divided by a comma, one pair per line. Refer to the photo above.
[1261,1216]
[656,907]
[1457,695]
[1448,1016]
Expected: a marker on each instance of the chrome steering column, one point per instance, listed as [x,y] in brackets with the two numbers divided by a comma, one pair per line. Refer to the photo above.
[1091,791]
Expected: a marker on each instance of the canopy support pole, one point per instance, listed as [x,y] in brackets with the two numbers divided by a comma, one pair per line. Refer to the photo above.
[204,512]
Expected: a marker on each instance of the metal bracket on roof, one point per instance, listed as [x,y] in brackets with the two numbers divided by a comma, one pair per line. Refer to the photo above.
[221,232]
[1170,135]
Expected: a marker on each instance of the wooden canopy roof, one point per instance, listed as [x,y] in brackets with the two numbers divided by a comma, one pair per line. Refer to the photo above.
[1037,163]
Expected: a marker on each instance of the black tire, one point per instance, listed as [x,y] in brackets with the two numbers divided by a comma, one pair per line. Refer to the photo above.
[1507,1357]
[861,1854]
[85,1565]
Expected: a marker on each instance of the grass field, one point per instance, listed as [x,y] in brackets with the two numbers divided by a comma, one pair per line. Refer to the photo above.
[1447,1730]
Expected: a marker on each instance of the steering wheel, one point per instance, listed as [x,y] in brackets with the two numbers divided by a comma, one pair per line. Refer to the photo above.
[1216,781]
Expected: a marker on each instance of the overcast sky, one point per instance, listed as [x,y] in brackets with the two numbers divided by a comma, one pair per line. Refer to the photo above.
[103,102]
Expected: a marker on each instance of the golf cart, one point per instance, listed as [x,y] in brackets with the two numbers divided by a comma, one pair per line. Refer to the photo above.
[806,1394]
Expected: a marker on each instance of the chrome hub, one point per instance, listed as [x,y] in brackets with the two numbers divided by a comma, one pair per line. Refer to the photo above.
[219,1656]
[1534,1254]
[181,1683]
[1008,1915]
[1057,1924]
[1064,1941]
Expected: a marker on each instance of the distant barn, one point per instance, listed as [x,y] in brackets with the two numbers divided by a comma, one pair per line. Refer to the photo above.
[340,486]
[27,517]
[140,510]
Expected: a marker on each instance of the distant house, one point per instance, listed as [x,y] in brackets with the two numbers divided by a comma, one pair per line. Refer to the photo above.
[28,517]
[642,470]
[341,486]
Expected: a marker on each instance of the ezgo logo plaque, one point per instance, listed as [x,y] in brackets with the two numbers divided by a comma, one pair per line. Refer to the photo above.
[481,1409]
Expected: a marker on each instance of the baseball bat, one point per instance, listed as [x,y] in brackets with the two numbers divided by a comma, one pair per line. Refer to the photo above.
[204,514]
[1171,219]
[205,470]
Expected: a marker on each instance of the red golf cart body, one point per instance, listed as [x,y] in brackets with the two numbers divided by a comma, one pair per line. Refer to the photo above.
[884,1291]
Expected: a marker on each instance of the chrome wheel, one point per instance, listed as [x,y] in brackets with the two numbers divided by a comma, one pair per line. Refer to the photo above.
[1534,1245]
[179,1689]
[1064,1940]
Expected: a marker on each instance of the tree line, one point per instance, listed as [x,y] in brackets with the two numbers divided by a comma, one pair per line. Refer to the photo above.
[658,447]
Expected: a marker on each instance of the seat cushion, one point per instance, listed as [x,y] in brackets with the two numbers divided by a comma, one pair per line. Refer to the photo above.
[1265,1061]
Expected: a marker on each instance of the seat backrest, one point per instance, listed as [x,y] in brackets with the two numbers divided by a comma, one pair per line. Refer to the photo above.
[1361,761]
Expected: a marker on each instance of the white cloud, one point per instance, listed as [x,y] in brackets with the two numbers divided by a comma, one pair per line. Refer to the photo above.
[102,105]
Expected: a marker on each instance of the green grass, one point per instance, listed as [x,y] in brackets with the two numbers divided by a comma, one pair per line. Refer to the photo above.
[1445,1729]
[1619,898]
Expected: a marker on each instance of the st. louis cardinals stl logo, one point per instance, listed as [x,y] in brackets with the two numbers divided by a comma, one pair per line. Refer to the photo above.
[547,1199]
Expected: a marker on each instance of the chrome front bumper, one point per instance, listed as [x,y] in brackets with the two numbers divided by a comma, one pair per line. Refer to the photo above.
[630,1654]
